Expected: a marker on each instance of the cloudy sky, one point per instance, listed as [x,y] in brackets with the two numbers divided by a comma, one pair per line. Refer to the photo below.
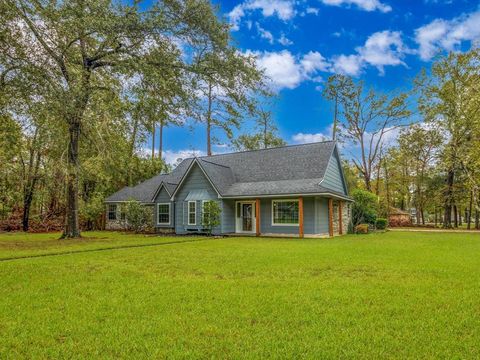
[300,43]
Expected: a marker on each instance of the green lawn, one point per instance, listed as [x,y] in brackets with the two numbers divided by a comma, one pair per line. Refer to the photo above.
[390,295]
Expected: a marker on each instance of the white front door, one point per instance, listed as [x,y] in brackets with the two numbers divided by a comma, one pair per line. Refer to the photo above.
[245,217]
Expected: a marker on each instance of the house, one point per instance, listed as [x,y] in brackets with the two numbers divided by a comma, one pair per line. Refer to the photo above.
[296,190]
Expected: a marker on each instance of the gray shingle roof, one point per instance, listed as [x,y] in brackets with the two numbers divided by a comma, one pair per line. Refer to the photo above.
[296,169]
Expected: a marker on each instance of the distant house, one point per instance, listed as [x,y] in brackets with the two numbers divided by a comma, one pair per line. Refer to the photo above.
[292,190]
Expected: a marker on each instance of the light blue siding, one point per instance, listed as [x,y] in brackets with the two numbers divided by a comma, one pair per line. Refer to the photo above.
[163,197]
[228,216]
[266,225]
[195,180]
[321,218]
[333,178]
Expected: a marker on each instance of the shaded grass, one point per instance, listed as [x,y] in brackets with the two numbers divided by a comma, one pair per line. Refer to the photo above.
[392,295]
[21,245]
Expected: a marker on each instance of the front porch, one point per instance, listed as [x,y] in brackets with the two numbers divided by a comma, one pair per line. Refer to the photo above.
[309,216]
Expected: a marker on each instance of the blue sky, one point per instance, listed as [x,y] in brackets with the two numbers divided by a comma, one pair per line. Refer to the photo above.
[300,43]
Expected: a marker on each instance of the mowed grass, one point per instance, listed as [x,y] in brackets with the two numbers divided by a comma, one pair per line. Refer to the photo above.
[390,295]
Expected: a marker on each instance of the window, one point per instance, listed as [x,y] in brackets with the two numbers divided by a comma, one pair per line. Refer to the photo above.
[112,212]
[163,214]
[285,212]
[192,213]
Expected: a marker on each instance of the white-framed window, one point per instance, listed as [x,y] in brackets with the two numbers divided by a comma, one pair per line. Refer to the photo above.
[112,212]
[192,213]
[163,214]
[285,212]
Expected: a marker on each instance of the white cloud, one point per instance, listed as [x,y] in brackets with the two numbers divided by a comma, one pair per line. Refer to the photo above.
[282,69]
[302,138]
[383,48]
[285,41]
[313,62]
[283,9]
[447,34]
[264,34]
[367,5]
[350,65]
[172,156]
[312,10]
[286,70]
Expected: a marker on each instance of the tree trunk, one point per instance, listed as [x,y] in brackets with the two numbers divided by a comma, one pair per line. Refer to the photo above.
[265,144]
[160,141]
[209,121]
[72,229]
[455,216]
[459,216]
[153,140]
[29,191]
[448,200]
[477,220]
[470,208]
[436,216]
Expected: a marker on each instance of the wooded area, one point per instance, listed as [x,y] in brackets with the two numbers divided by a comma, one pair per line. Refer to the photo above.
[84,85]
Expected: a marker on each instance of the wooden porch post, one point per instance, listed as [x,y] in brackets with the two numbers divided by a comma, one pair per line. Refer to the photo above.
[300,217]
[330,217]
[340,225]
[257,217]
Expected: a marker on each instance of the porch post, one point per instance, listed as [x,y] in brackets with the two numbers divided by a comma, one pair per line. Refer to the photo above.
[330,217]
[257,217]
[340,225]
[300,217]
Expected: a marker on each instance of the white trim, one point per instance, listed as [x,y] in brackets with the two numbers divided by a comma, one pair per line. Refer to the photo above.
[185,176]
[324,194]
[238,225]
[169,213]
[284,200]
[162,184]
[188,213]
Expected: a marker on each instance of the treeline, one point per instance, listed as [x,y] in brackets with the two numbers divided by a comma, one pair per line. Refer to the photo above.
[433,170]
[84,84]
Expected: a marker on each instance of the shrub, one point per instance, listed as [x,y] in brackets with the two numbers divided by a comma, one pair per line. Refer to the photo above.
[361,229]
[137,216]
[365,207]
[381,224]
[211,215]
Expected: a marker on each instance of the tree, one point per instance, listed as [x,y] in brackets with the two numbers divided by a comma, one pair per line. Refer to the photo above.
[211,215]
[228,83]
[367,118]
[138,217]
[335,90]
[364,208]
[420,144]
[83,49]
[449,100]
[266,136]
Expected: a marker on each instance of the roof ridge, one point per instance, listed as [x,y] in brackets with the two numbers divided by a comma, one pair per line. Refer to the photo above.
[210,162]
[272,148]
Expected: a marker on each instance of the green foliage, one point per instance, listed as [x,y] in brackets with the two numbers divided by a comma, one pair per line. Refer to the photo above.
[361,229]
[266,136]
[381,224]
[93,209]
[211,215]
[364,208]
[138,217]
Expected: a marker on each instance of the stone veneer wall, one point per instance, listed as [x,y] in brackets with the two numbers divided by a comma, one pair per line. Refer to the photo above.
[345,217]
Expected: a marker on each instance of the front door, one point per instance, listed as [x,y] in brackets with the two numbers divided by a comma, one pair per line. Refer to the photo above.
[247,217]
